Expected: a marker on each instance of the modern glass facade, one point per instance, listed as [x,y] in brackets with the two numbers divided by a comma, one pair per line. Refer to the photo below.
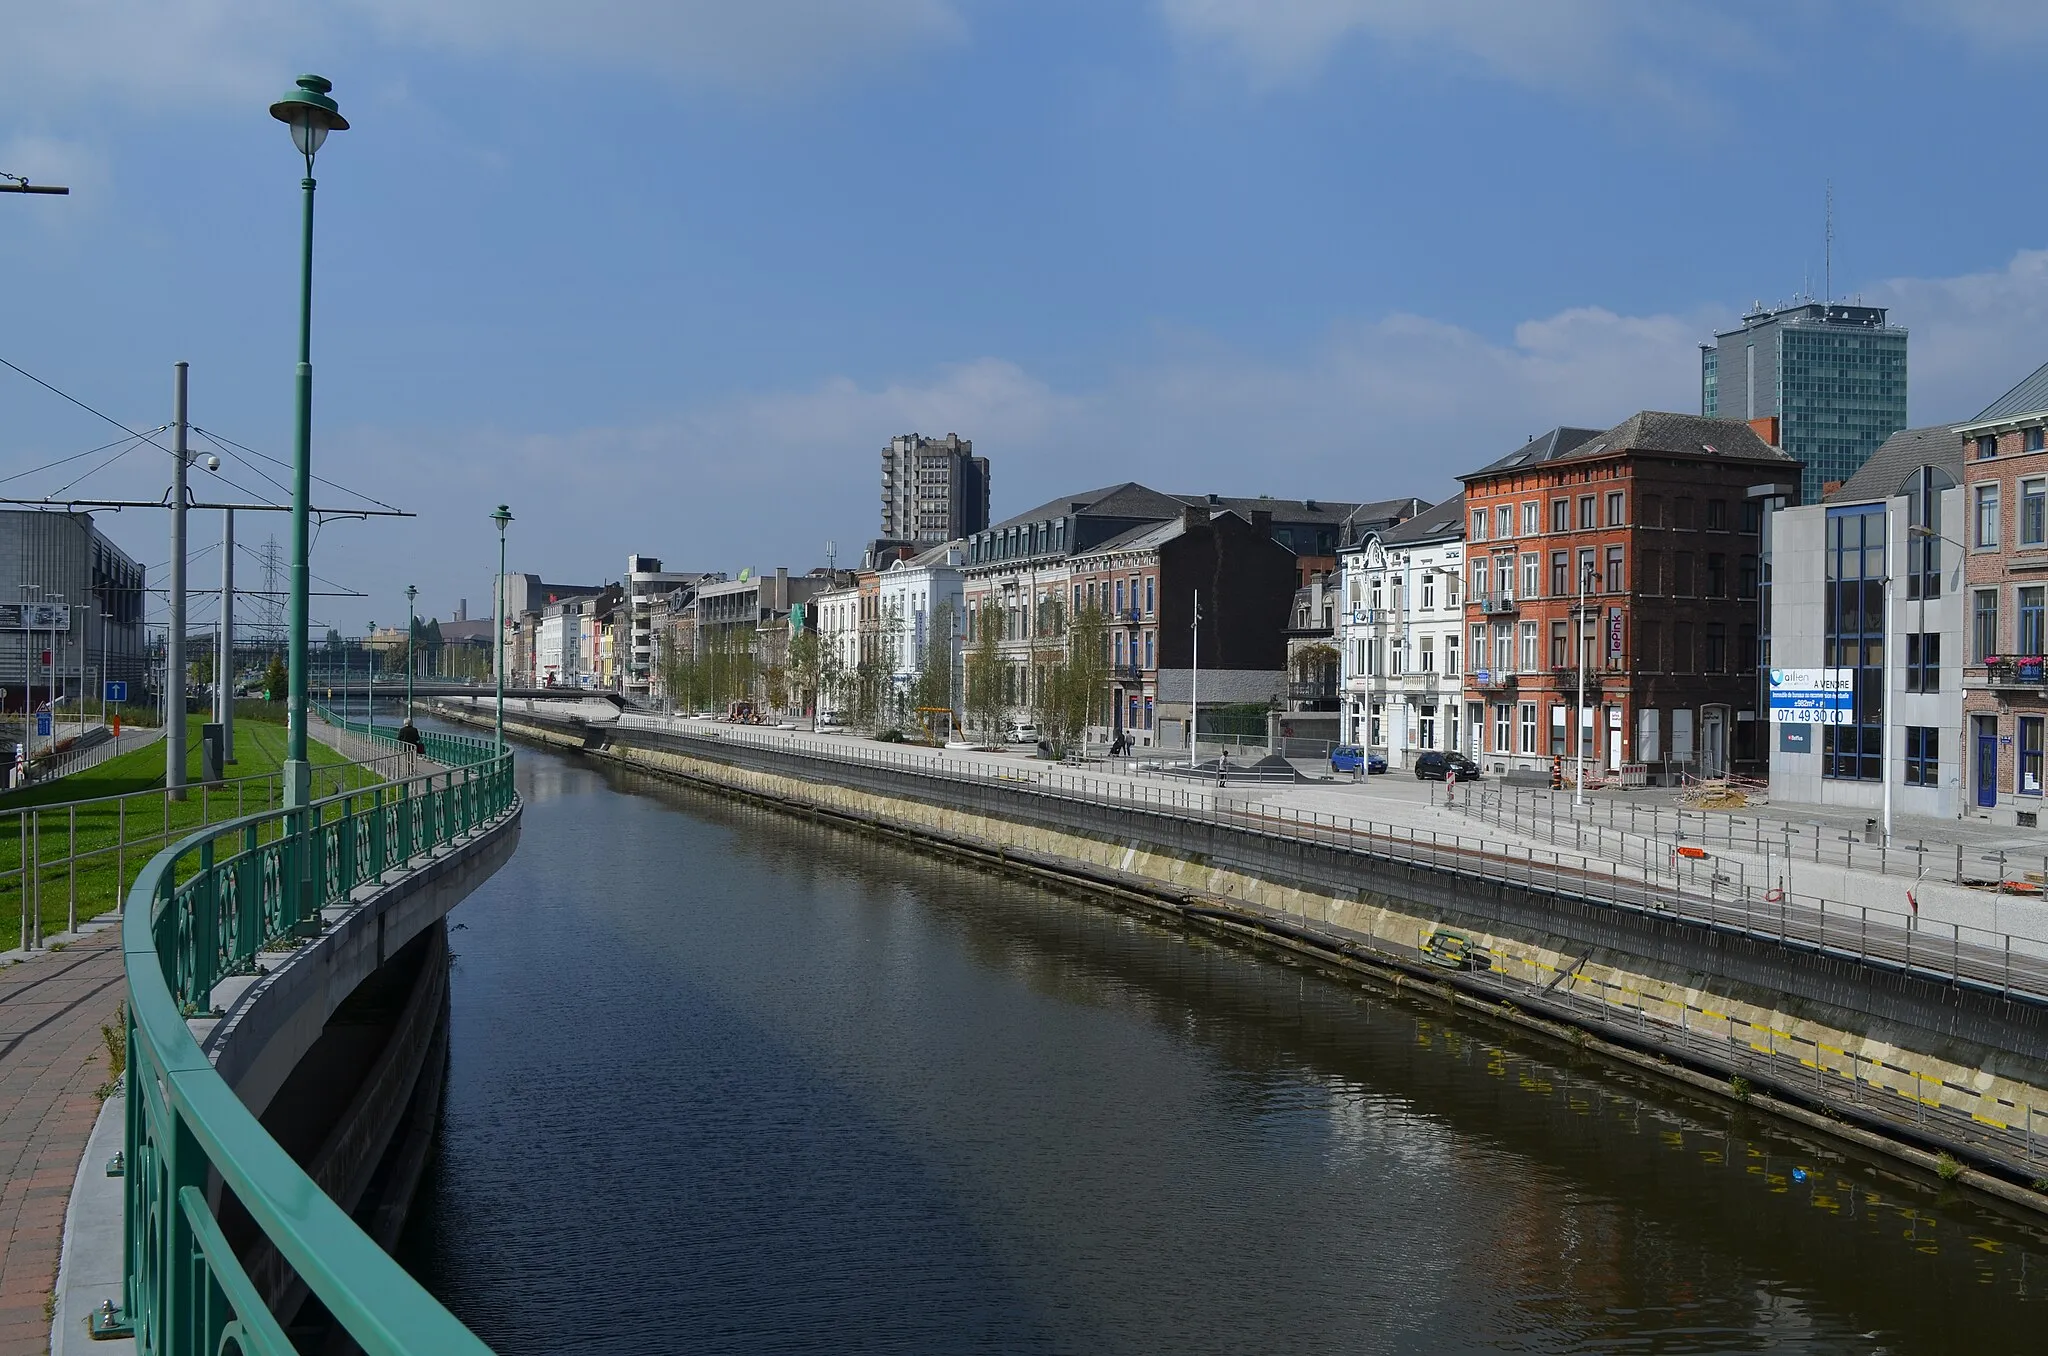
[1855,640]
[1833,375]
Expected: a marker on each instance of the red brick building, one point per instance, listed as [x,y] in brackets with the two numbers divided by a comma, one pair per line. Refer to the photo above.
[1630,558]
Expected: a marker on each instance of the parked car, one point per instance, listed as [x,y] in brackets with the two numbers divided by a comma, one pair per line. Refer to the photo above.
[1350,758]
[830,720]
[1434,766]
[1024,734]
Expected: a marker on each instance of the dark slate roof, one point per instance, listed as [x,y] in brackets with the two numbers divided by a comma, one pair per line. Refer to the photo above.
[2029,397]
[1445,520]
[1543,447]
[1290,511]
[1128,500]
[1685,434]
[1899,456]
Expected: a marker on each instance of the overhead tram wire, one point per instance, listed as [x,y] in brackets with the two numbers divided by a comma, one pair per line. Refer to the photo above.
[332,485]
[91,451]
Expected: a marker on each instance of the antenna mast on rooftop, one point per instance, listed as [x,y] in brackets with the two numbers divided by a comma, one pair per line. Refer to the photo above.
[1828,250]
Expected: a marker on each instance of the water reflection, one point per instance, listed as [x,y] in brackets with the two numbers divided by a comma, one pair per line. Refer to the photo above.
[728,1081]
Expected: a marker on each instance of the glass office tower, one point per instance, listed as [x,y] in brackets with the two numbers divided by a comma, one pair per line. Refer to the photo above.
[1833,375]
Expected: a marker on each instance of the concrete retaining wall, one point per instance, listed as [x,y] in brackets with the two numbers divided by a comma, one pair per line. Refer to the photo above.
[1925,1064]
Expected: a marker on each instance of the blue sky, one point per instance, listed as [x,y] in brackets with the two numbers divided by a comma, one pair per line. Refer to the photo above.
[665,277]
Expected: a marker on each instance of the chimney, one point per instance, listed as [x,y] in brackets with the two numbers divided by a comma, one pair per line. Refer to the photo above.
[1262,522]
[1766,428]
[1194,515]
[462,609]
[782,588]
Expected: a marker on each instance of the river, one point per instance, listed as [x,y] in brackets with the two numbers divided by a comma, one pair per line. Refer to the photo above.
[727,1081]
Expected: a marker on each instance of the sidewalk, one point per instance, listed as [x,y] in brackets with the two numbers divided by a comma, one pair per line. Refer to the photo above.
[51,1060]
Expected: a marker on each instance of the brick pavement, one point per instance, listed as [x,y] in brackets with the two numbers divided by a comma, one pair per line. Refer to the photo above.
[51,1060]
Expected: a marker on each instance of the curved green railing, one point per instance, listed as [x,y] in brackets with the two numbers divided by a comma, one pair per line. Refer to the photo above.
[451,750]
[199,912]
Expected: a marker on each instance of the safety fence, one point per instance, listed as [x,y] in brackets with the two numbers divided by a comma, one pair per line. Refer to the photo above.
[439,746]
[200,911]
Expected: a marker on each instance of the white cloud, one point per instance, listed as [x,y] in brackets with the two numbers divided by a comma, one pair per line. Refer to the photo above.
[1596,50]
[1972,336]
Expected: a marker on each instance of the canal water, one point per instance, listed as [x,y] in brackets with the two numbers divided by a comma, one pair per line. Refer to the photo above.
[727,1081]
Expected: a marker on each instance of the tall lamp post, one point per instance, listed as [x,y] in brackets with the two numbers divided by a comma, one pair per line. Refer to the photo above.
[408,731]
[501,518]
[1579,716]
[311,115]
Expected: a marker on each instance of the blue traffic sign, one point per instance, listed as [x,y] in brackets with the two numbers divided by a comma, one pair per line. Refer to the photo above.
[117,691]
[43,722]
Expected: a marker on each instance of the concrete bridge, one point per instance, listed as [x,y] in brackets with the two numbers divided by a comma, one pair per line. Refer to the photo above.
[287,991]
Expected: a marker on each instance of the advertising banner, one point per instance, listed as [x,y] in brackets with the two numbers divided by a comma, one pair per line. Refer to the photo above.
[1813,696]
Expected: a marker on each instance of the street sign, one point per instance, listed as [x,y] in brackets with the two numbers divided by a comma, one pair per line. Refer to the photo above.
[1813,696]
[35,617]
[117,691]
[43,723]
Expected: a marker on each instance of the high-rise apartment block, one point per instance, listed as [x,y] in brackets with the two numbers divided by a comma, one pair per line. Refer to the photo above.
[933,489]
[1832,375]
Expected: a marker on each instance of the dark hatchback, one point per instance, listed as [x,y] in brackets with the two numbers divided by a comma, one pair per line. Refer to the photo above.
[1436,767]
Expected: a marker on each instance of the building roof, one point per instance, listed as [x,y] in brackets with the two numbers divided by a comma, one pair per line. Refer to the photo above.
[1435,524]
[1899,456]
[1128,500]
[1142,537]
[1692,435]
[1283,510]
[2029,397]
[1541,448]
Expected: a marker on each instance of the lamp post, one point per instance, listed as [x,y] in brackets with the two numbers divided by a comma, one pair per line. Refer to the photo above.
[1579,715]
[311,115]
[408,731]
[501,518]
[370,680]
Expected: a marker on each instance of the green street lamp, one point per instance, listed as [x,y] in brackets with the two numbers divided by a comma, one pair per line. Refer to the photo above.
[311,115]
[409,732]
[501,517]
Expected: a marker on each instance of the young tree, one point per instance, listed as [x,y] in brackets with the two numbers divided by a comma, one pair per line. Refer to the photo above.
[933,689]
[276,681]
[806,668]
[1086,676]
[986,710]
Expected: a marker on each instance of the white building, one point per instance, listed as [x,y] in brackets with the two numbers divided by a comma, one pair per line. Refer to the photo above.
[647,587]
[917,596]
[1837,551]
[1399,636]
[838,611]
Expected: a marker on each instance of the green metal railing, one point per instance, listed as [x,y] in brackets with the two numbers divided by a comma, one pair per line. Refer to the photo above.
[450,750]
[199,912]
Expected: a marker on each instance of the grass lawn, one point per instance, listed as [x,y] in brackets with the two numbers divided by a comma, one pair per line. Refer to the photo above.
[114,817]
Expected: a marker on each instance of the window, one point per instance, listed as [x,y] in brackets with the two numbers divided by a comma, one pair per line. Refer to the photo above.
[1649,572]
[1504,646]
[1482,583]
[1119,595]
[1587,577]
[1716,658]
[1119,649]
[1745,579]
[1682,518]
[1650,646]
[1373,726]
[1395,656]
[1987,515]
[1532,518]
[1987,446]
[1717,575]
[1653,510]
[1528,727]
[1149,607]
[2033,512]
[1504,521]
[1451,655]
[1588,512]
[1615,582]
[1984,626]
[1427,725]
[1616,508]
[1923,662]
[2036,439]
[1077,602]
[1752,517]
[2030,756]
[2030,639]
[1149,661]
[1560,515]
[1503,727]
[1560,574]
[1853,602]
[1560,646]
[1923,756]
[1426,654]
[1681,574]
[1479,524]
[1479,647]
[1428,589]
[1528,647]
[1375,593]
[1923,530]
[1681,647]
[1746,648]
[1717,515]
[1532,569]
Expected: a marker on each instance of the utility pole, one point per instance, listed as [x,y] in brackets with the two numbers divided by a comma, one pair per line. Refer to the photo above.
[224,662]
[1579,716]
[174,644]
[1195,683]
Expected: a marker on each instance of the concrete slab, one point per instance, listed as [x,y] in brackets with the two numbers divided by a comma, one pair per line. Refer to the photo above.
[91,1269]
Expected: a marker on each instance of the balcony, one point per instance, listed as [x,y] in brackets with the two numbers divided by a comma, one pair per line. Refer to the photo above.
[1313,689]
[1370,616]
[1497,604]
[2016,671]
[1490,680]
[1422,681]
[1566,677]
[1127,673]
[1130,616]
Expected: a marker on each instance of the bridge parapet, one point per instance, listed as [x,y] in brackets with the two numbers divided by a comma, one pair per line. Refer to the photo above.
[199,912]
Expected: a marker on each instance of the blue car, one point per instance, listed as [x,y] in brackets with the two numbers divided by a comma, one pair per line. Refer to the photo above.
[1349,758]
